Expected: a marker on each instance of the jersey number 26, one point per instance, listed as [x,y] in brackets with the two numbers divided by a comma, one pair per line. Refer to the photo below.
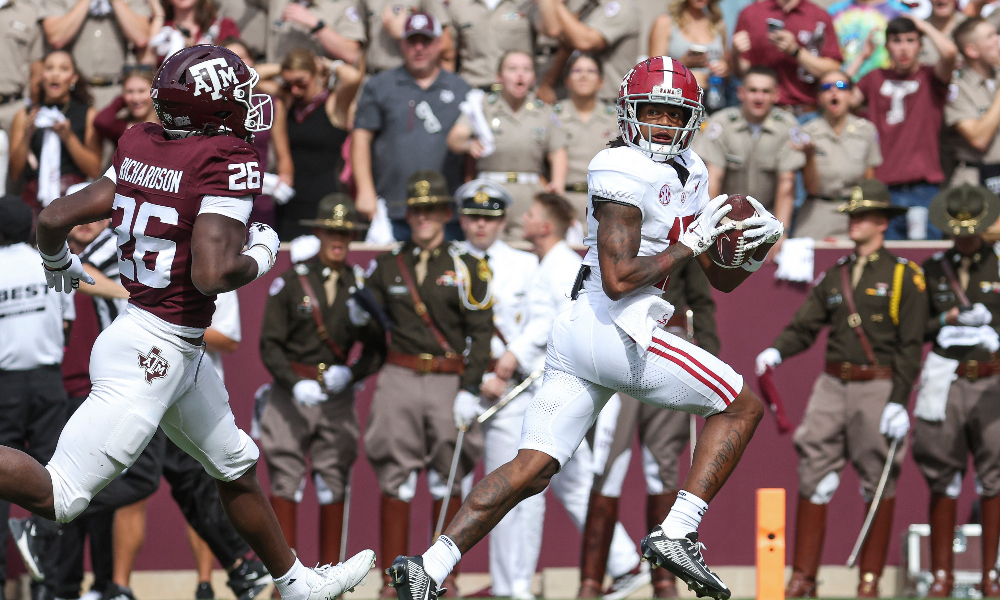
[132,257]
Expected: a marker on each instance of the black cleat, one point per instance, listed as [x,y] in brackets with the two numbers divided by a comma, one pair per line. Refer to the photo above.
[117,592]
[249,579]
[683,558]
[411,581]
[26,538]
[204,591]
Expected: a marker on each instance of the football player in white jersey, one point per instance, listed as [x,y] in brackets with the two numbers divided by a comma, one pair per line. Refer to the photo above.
[648,214]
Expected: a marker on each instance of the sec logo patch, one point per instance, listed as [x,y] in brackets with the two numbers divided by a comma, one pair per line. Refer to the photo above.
[665,194]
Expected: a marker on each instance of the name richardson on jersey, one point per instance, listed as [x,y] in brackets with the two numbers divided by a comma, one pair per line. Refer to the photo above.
[150,176]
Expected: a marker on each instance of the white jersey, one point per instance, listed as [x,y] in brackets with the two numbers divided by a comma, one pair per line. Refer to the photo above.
[628,176]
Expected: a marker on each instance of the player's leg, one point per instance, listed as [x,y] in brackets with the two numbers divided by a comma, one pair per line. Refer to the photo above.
[201,423]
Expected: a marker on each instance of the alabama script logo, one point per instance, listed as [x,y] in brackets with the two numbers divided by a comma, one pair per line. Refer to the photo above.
[153,364]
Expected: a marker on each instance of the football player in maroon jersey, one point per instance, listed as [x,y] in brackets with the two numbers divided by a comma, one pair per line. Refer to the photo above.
[179,196]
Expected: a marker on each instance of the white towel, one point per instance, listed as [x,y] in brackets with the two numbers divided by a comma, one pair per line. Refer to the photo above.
[167,41]
[795,261]
[100,8]
[303,248]
[935,382]
[956,335]
[278,190]
[472,108]
[639,315]
[380,232]
[50,159]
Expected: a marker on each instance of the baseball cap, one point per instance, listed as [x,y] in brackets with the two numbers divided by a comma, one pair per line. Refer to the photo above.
[421,23]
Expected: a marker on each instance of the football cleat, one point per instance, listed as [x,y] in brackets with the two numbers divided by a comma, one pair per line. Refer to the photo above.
[625,585]
[683,558]
[411,580]
[25,535]
[248,579]
[204,591]
[335,580]
[117,592]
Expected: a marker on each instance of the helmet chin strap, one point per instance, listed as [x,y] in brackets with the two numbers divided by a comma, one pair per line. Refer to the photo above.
[654,151]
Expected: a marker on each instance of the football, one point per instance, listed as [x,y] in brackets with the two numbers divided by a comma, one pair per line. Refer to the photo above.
[729,250]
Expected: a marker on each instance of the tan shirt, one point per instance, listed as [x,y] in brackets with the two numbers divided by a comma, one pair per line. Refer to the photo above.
[523,138]
[251,18]
[383,51]
[752,163]
[483,36]
[842,160]
[929,54]
[343,16]
[974,97]
[100,47]
[618,23]
[584,139]
[20,44]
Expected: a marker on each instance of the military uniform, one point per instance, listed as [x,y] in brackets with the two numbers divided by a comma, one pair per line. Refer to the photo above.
[974,97]
[843,419]
[841,161]
[383,51]
[294,349]
[250,17]
[524,139]
[20,43]
[618,23]
[483,36]
[584,139]
[662,436]
[342,16]
[411,425]
[957,410]
[752,162]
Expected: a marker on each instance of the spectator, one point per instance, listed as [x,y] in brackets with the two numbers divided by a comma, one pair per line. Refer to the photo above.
[520,138]
[251,20]
[897,97]
[330,28]
[187,23]
[796,38]
[860,26]
[588,124]
[841,150]
[945,17]
[385,20]
[748,147]
[695,33]
[608,29]
[135,100]
[316,122]
[974,113]
[402,123]
[97,34]
[485,32]
[58,134]
[21,46]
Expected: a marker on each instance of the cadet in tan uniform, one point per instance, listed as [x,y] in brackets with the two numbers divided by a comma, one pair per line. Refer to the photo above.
[973,117]
[588,124]
[957,413]
[384,21]
[662,436]
[20,45]
[438,297]
[748,150]
[485,31]
[331,28]
[98,38]
[875,306]
[312,319]
[841,150]
[515,140]
[250,17]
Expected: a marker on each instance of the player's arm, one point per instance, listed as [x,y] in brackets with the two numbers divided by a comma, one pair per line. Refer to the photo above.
[219,263]
[92,203]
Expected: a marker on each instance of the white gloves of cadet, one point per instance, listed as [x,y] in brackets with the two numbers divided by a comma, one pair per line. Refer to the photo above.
[767,358]
[466,409]
[765,228]
[336,378]
[895,421]
[262,246]
[309,392]
[976,316]
[63,271]
[702,232]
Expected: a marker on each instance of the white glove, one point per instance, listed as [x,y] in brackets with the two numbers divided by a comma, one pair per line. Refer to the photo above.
[63,271]
[976,316]
[262,246]
[767,358]
[336,378]
[308,392]
[466,409]
[895,421]
[279,191]
[702,232]
[359,316]
[764,228]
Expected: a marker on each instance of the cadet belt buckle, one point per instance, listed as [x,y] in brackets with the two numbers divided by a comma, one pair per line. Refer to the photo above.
[320,369]
[511,176]
[425,362]
[845,370]
[854,320]
[972,370]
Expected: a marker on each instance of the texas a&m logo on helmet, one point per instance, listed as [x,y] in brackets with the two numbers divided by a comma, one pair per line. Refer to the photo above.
[659,80]
[208,89]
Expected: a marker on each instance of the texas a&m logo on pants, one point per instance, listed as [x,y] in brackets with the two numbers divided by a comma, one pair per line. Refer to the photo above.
[154,364]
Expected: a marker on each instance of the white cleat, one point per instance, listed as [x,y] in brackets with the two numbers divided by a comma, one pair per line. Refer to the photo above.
[335,580]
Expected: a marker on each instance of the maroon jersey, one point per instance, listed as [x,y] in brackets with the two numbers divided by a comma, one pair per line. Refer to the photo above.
[161,184]
[907,113]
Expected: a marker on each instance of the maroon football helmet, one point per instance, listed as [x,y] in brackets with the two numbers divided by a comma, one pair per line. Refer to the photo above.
[208,89]
[661,80]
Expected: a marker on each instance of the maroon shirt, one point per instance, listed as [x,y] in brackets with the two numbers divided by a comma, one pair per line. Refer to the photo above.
[160,186]
[813,28]
[907,113]
[76,357]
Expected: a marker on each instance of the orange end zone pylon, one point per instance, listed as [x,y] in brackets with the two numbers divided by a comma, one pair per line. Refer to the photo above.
[771,544]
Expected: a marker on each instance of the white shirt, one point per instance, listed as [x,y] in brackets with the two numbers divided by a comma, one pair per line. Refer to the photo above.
[31,314]
[226,321]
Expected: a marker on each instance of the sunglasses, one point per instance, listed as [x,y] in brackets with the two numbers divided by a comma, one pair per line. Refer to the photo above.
[840,85]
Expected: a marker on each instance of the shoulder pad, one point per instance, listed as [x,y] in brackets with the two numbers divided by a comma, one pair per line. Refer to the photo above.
[301,269]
